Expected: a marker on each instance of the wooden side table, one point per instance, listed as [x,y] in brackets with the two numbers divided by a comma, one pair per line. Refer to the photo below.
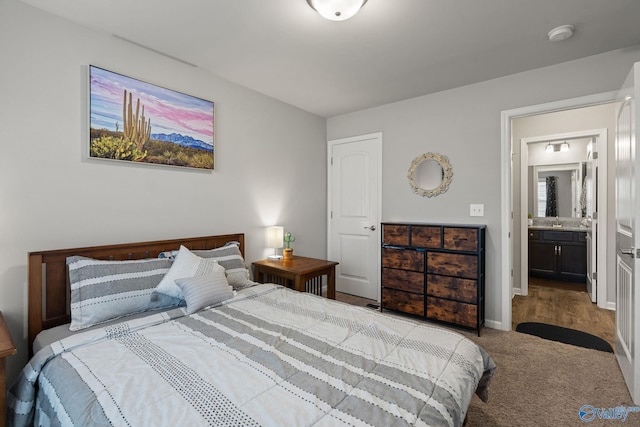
[7,348]
[301,273]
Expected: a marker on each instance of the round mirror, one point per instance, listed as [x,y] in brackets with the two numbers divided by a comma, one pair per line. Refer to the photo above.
[430,174]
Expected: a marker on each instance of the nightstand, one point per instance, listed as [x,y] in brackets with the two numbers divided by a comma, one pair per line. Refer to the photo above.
[300,273]
[7,348]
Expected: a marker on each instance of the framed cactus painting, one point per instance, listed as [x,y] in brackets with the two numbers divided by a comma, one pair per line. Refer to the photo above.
[134,121]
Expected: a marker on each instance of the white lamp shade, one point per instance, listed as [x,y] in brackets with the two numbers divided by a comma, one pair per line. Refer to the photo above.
[337,10]
[275,237]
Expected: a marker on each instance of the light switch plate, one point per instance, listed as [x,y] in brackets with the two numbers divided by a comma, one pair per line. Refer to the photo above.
[476,209]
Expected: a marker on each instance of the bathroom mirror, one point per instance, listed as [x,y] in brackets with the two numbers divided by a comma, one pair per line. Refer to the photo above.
[557,181]
[557,190]
[430,174]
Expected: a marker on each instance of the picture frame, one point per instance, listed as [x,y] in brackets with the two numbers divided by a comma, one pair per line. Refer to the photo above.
[134,121]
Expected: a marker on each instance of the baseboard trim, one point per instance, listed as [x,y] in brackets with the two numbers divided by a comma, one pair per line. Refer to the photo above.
[494,324]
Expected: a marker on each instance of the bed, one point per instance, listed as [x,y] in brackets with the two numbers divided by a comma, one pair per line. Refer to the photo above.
[251,354]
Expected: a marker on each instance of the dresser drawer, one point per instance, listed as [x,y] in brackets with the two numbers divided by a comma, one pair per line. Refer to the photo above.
[461,239]
[424,236]
[453,264]
[403,301]
[405,259]
[404,280]
[452,311]
[395,234]
[465,290]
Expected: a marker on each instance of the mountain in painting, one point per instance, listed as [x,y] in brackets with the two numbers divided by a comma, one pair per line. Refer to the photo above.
[182,140]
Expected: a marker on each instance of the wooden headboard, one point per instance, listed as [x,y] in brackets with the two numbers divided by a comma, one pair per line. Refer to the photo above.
[49,292]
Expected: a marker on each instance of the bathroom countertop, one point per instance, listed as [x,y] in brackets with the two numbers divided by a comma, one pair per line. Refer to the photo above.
[563,228]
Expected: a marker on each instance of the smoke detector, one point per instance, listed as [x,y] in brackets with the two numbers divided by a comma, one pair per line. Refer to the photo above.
[562,32]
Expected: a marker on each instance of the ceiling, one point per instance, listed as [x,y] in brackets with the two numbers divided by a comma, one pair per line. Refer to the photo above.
[390,51]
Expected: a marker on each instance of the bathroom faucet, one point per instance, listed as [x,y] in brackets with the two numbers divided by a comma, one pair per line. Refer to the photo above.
[557,222]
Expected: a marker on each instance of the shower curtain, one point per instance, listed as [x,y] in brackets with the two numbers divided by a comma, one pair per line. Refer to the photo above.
[552,204]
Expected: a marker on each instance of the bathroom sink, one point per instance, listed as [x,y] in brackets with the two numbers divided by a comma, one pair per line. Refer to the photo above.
[557,226]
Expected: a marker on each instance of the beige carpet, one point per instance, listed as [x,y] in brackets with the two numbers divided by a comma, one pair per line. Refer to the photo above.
[544,383]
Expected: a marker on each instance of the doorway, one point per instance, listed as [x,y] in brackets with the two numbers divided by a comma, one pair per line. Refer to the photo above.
[581,193]
[511,214]
[558,284]
[354,205]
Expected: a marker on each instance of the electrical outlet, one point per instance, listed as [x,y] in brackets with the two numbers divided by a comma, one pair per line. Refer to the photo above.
[476,209]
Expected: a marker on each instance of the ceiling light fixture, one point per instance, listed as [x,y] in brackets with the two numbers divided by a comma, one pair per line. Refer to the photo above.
[560,33]
[552,148]
[336,10]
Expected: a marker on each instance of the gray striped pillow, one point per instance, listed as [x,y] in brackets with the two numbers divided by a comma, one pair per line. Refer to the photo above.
[185,264]
[203,291]
[230,257]
[104,290]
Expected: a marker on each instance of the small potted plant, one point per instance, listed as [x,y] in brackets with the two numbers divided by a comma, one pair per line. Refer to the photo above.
[287,252]
[529,220]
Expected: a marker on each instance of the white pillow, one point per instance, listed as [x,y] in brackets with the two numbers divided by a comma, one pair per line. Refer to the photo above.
[230,257]
[203,291]
[185,265]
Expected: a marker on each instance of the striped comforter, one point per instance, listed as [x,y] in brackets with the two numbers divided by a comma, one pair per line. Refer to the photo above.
[269,356]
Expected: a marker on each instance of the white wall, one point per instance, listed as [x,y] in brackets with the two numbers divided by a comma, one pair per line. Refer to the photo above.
[269,166]
[464,124]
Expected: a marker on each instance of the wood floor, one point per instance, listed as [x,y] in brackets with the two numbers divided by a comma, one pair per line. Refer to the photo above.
[563,304]
[355,300]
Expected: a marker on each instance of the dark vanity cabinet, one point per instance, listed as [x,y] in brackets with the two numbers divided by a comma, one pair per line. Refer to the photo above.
[435,271]
[558,255]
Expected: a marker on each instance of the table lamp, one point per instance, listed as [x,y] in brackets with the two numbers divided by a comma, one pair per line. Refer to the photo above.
[275,236]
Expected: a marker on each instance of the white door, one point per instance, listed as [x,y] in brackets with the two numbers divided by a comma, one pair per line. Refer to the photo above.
[628,236]
[354,213]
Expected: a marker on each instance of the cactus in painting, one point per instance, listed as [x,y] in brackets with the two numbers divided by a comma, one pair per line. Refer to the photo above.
[136,128]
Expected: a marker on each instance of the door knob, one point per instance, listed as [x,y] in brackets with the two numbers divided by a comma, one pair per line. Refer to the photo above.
[628,251]
[372,228]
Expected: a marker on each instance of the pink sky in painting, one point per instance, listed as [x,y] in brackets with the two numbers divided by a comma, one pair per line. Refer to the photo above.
[169,111]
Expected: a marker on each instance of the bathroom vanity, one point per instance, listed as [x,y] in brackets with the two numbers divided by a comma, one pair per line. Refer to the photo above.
[558,254]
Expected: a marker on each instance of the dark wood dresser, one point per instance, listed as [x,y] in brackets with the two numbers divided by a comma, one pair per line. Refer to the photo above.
[435,271]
